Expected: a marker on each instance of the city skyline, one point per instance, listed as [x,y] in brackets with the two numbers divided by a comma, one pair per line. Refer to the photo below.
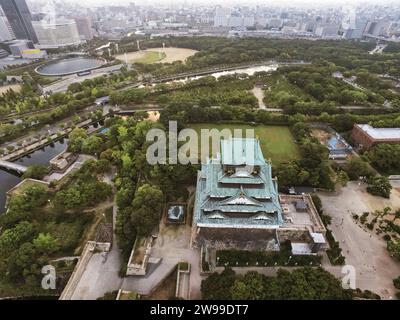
[280,3]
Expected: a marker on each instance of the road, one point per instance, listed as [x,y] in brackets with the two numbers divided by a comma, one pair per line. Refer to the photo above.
[378,49]
[63,84]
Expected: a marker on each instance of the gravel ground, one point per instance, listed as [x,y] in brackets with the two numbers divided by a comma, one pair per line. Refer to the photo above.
[363,249]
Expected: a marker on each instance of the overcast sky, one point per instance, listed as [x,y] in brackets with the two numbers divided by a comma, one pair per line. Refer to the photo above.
[231,2]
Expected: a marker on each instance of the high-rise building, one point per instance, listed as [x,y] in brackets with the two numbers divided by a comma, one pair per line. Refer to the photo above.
[6,32]
[221,18]
[84,25]
[355,30]
[60,33]
[19,17]
[327,30]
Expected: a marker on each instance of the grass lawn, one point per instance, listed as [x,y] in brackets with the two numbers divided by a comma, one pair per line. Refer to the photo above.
[277,142]
[145,56]
[151,57]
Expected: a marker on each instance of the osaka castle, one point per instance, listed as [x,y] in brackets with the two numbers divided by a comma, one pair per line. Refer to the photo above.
[238,206]
[236,189]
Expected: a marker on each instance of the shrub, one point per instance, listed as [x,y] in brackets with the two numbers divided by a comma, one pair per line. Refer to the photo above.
[396,282]
[387,237]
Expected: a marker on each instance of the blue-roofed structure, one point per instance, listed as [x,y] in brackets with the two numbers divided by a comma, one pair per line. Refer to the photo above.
[236,189]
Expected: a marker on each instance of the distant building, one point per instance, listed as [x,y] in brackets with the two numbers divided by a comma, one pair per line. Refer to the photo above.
[356,30]
[275,23]
[221,18]
[85,28]
[6,32]
[238,206]
[378,28]
[61,33]
[330,30]
[19,17]
[3,53]
[235,21]
[366,136]
[17,47]
[248,21]
[33,54]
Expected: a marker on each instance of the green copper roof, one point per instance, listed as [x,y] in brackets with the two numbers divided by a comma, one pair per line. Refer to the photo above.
[236,188]
[237,151]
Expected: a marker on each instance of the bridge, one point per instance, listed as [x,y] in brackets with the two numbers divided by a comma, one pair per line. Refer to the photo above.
[13,166]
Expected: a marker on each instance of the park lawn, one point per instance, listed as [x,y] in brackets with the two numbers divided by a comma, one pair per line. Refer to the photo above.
[151,57]
[145,56]
[277,142]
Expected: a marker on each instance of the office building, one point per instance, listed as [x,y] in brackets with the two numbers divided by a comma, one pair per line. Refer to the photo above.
[221,18]
[19,17]
[84,25]
[61,33]
[6,32]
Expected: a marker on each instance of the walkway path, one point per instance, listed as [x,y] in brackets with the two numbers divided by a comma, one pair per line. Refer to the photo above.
[259,94]
[102,271]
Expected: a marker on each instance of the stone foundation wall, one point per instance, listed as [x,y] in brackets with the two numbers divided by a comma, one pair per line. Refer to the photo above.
[294,235]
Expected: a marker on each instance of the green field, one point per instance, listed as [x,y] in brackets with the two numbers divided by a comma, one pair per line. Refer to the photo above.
[151,57]
[277,142]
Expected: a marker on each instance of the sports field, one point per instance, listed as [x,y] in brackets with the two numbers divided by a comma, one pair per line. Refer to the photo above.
[145,57]
[277,142]
[164,55]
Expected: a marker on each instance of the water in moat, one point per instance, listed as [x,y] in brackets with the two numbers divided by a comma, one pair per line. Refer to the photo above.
[69,66]
[41,156]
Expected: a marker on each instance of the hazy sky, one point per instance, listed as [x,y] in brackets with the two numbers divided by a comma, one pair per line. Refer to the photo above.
[232,2]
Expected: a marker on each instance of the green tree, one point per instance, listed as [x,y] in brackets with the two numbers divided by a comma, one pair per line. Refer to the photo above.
[342,178]
[76,139]
[394,248]
[46,244]
[379,186]
[396,282]
[218,286]
[92,145]
[36,172]
[385,157]
[356,168]
[251,286]
[146,208]
[11,239]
